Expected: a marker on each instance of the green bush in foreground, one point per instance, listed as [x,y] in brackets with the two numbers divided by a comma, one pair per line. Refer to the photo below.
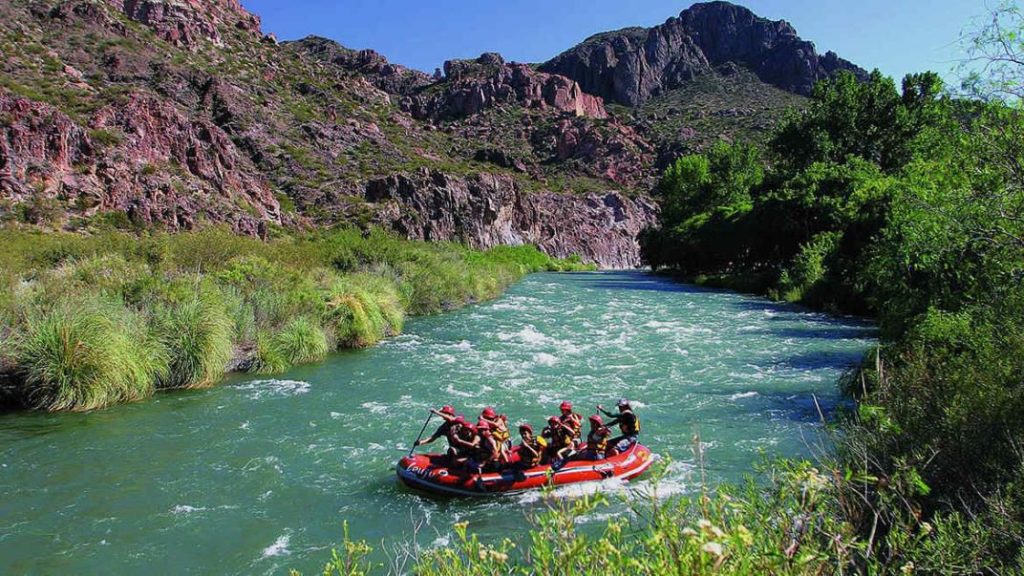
[786,523]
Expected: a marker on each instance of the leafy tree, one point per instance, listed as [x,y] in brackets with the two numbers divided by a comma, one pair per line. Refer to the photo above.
[994,69]
[870,120]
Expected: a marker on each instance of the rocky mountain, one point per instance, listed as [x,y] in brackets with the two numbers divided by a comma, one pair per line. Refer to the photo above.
[633,65]
[177,114]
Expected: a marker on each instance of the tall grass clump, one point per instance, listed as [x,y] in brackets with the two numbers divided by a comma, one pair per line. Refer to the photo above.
[363,309]
[302,341]
[84,356]
[267,356]
[197,334]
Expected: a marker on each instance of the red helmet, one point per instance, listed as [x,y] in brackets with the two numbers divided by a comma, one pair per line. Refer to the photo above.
[483,428]
[553,420]
[469,427]
[448,410]
[526,427]
[566,406]
[461,420]
[597,420]
[489,413]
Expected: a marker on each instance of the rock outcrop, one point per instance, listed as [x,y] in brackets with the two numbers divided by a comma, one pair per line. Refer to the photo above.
[143,157]
[186,22]
[471,86]
[391,78]
[487,210]
[632,65]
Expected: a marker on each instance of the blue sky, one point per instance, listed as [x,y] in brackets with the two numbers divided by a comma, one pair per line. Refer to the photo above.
[896,36]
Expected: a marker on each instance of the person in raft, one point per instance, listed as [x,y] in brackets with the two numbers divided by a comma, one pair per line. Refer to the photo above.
[447,413]
[597,440]
[499,429]
[530,451]
[560,441]
[488,455]
[629,426]
[467,442]
[571,419]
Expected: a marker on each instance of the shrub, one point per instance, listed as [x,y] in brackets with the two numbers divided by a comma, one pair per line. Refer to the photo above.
[268,358]
[83,356]
[197,334]
[301,341]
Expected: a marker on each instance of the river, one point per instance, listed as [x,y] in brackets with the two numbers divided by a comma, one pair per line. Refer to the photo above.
[258,475]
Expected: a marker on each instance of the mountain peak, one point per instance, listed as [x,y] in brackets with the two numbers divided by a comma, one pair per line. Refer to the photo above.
[633,65]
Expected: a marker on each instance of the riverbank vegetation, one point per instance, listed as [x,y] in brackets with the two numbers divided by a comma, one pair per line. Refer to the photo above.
[87,321]
[906,204]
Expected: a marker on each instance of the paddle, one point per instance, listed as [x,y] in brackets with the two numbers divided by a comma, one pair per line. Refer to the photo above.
[422,430]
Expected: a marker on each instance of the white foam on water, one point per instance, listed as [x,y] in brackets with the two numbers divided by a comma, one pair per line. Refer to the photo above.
[278,548]
[528,335]
[742,395]
[660,324]
[463,345]
[374,407]
[450,389]
[442,541]
[545,359]
[337,415]
[244,425]
[259,389]
[186,509]
[614,485]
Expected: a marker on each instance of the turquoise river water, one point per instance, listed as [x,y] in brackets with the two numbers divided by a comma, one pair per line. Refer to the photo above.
[258,475]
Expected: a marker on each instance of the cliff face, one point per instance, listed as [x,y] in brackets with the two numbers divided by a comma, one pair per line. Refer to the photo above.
[487,210]
[632,65]
[142,157]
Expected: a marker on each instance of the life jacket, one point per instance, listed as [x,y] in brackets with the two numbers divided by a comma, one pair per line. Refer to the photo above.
[501,434]
[574,421]
[558,438]
[539,444]
[597,440]
[629,429]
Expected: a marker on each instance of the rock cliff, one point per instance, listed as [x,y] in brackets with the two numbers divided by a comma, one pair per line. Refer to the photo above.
[487,210]
[631,66]
[469,87]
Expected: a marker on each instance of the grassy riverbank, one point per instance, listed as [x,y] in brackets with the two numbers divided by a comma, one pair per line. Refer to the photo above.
[88,321]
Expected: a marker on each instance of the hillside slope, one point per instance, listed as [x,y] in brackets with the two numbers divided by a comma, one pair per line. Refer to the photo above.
[177,114]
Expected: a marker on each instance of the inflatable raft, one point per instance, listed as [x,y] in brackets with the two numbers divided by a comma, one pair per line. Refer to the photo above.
[429,472]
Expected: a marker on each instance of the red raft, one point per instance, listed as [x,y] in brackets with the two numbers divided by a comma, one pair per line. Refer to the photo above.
[429,473]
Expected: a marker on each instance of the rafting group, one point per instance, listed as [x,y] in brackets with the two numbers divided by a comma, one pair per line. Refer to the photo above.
[486,446]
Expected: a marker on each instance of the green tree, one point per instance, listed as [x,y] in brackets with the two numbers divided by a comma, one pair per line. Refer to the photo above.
[994,69]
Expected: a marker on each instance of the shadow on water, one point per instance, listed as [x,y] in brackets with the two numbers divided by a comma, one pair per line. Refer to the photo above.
[634,280]
[823,360]
[805,407]
[830,333]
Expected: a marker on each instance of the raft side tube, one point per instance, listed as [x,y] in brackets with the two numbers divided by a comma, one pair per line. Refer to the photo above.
[427,472]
